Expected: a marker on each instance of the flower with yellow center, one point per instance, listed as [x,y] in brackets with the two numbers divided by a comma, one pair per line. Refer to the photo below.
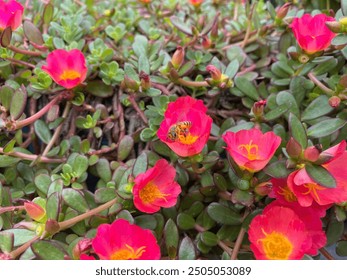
[151,192]
[276,246]
[128,253]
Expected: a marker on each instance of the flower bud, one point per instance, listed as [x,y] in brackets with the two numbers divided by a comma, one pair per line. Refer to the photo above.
[293,148]
[206,43]
[343,23]
[258,108]
[145,81]
[334,26]
[311,154]
[215,73]
[81,247]
[130,84]
[178,57]
[334,101]
[263,189]
[35,211]
[52,226]
[283,10]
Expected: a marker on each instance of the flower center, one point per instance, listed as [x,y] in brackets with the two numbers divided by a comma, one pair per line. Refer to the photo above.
[312,189]
[150,193]
[70,75]
[276,246]
[288,194]
[128,253]
[251,150]
[187,139]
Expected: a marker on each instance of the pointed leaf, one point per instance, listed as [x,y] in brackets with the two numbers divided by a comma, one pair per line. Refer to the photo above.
[320,175]
[325,128]
[75,200]
[297,130]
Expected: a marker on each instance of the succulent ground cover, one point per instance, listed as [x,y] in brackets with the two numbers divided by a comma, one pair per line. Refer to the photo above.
[173,129]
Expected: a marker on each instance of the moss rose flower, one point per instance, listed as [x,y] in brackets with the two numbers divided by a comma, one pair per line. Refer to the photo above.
[186,127]
[124,241]
[156,188]
[311,33]
[66,68]
[251,149]
[11,14]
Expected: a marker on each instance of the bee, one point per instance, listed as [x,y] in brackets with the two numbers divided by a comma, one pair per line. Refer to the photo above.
[178,130]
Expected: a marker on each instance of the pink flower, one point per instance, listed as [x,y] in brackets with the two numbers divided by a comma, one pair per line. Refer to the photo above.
[312,221]
[279,234]
[287,198]
[311,33]
[186,127]
[156,188]
[66,68]
[11,14]
[251,149]
[307,191]
[196,3]
[124,241]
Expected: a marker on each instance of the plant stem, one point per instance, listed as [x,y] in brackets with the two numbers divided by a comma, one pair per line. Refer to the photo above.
[10,208]
[162,88]
[104,150]
[14,254]
[58,130]
[137,108]
[26,52]
[192,83]
[66,224]
[319,84]
[238,244]
[249,27]
[32,157]
[326,254]
[39,114]
[19,62]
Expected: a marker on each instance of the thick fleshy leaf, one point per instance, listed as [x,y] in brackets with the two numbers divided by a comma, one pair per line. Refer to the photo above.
[320,175]
[48,250]
[75,200]
[187,249]
[297,130]
[222,214]
[171,238]
[325,128]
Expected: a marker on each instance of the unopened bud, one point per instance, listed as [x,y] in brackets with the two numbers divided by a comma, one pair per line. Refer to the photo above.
[258,108]
[215,73]
[214,30]
[174,76]
[293,148]
[334,26]
[129,84]
[201,20]
[178,57]
[52,226]
[311,154]
[334,101]
[283,10]
[263,189]
[145,81]
[206,43]
[81,247]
